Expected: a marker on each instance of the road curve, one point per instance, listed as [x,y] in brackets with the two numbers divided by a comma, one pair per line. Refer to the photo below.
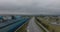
[33,27]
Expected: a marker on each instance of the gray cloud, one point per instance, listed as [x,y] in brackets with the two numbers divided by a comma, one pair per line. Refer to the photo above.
[30,7]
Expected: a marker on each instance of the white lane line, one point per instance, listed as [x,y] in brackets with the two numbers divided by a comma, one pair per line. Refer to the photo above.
[27,30]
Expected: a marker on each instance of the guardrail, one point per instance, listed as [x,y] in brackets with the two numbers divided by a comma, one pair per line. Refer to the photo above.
[46,30]
[22,28]
[13,27]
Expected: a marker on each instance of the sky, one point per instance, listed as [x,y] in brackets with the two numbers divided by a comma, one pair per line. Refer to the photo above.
[30,7]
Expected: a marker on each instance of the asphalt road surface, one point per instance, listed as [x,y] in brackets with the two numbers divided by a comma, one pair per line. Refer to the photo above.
[33,27]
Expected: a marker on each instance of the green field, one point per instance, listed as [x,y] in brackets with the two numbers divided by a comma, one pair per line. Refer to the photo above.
[46,22]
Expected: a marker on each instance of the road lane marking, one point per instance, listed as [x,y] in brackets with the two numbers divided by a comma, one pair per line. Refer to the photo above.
[27,30]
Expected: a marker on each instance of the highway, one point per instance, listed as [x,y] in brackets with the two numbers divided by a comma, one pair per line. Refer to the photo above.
[33,27]
[12,27]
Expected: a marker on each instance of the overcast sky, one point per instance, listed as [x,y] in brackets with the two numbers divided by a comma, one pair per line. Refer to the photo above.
[30,7]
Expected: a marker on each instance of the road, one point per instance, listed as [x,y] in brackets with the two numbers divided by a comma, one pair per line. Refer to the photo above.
[11,27]
[6,23]
[33,27]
